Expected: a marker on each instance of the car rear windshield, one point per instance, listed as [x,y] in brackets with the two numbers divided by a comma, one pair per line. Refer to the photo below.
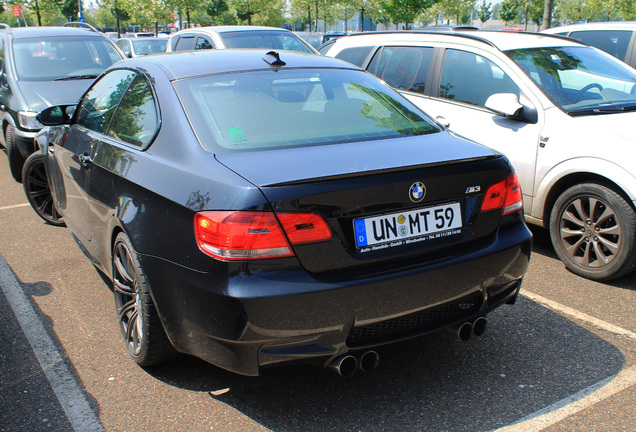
[144,46]
[278,40]
[580,80]
[62,57]
[295,107]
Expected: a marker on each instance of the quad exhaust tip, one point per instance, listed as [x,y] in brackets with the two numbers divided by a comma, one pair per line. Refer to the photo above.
[469,329]
[347,365]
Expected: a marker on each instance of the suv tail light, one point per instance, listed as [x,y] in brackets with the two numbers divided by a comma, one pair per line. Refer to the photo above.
[228,235]
[505,195]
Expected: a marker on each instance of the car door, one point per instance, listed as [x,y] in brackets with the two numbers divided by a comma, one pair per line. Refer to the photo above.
[132,128]
[73,154]
[463,82]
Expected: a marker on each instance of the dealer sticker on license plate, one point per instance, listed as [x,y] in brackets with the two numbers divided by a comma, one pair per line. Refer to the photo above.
[397,229]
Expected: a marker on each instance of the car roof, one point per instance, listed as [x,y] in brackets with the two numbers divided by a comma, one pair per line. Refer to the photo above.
[185,64]
[502,40]
[35,32]
[230,28]
[605,25]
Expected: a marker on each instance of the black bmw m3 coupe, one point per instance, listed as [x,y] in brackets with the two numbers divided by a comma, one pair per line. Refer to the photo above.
[255,208]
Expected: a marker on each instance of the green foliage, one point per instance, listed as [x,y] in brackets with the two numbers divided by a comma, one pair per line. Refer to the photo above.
[69,8]
[406,10]
[508,11]
[572,11]
[484,11]
[459,9]
[216,8]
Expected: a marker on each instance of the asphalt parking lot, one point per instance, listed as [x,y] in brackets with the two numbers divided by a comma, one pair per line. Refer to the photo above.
[562,359]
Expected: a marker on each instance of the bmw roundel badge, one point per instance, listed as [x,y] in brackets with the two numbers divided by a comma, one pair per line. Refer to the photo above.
[417,192]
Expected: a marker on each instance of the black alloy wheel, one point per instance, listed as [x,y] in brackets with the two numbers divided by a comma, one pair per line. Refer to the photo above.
[16,160]
[37,191]
[593,231]
[139,322]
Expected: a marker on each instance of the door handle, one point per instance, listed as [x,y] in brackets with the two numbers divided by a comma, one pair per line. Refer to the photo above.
[85,160]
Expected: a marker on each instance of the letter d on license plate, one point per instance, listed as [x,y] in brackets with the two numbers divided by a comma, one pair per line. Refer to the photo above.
[396,229]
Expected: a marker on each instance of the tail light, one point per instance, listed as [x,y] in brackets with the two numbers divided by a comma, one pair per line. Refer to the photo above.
[505,195]
[228,235]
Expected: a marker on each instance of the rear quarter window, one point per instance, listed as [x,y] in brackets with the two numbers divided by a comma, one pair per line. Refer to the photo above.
[184,43]
[403,68]
[355,55]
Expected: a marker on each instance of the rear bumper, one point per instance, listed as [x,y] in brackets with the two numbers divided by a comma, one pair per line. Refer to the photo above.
[247,320]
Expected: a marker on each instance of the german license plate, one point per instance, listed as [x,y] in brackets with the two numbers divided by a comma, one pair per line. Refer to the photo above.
[400,228]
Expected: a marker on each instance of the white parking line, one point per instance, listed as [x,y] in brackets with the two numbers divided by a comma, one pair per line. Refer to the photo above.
[577,402]
[14,206]
[558,307]
[584,399]
[69,393]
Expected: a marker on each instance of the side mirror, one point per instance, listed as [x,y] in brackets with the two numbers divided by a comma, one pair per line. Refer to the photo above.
[56,115]
[505,103]
[509,105]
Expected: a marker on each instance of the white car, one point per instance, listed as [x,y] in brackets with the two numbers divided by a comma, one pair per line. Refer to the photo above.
[222,37]
[562,112]
[616,38]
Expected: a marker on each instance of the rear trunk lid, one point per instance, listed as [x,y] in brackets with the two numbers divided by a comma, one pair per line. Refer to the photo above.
[414,199]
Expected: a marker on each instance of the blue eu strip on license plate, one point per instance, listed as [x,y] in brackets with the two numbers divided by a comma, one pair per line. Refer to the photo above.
[396,229]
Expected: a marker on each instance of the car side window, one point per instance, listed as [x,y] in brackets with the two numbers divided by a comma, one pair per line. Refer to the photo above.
[471,78]
[614,42]
[355,55]
[403,68]
[98,105]
[185,43]
[203,43]
[125,46]
[135,120]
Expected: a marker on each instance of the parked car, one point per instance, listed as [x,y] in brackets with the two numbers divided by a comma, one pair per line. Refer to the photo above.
[134,47]
[255,208]
[43,66]
[561,111]
[139,35]
[317,39]
[221,37]
[615,38]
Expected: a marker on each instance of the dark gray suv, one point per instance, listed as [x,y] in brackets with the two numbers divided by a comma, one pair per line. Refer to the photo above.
[43,66]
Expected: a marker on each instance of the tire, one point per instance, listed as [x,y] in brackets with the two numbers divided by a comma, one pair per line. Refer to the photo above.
[593,231]
[139,322]
[37,191]
[16,161]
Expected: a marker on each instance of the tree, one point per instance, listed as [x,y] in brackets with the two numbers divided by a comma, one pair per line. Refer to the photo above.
[484,12]
[547,15]
[216,8]
[457,9]
[69,9]
[245,9]
[406,10]
[508,11]
[535,12]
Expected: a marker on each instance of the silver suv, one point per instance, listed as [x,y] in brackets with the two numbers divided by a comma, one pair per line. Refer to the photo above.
[562,112]
[222,37]
[43,66]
